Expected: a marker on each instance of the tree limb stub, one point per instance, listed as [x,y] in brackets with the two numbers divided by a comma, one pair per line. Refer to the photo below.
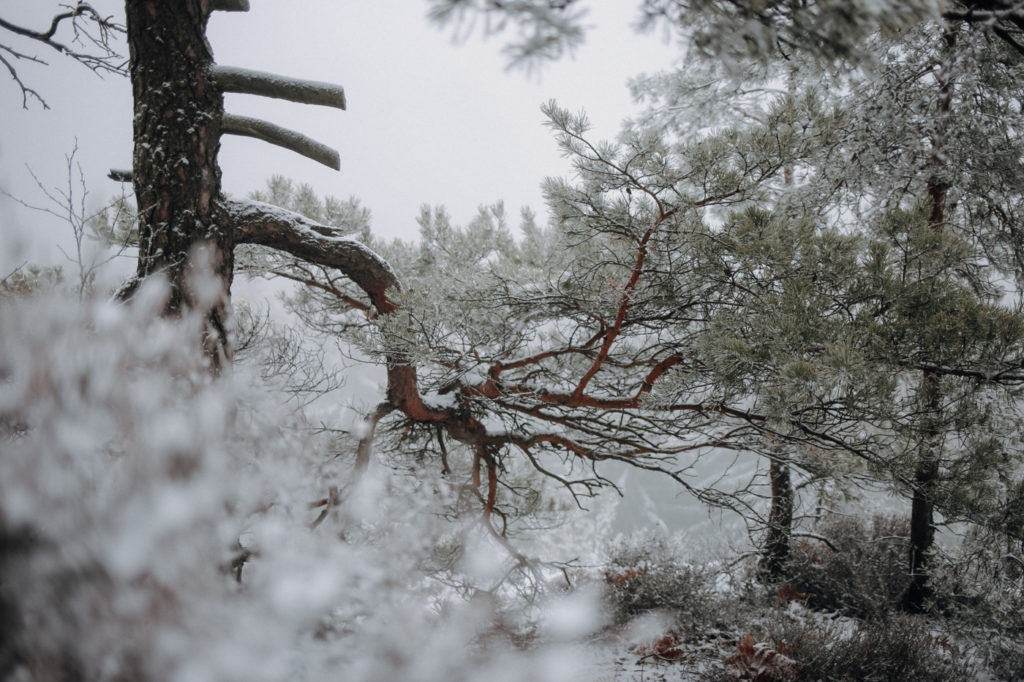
[247,82]
[282,137]
[230,5]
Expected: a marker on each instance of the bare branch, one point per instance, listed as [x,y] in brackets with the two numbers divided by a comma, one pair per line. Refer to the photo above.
[26,91]
[234,79]
[107,59]
[91,29]
[310,281]
[282,137]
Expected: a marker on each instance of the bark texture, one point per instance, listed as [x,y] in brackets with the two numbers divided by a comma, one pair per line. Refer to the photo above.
[177,125]
[922,507]
[780,521]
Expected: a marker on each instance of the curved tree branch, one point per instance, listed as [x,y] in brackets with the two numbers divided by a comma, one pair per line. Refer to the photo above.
[282,137]
[255,222]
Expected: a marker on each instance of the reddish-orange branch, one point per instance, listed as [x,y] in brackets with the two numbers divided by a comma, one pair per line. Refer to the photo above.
[492,390]
[476,468]
[620,317]
[499,367]
[270,226]
[554,439]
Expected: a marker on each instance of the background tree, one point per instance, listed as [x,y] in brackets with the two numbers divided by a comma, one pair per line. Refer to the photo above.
[616,295]
[855,185]
[927,87]
[735,31]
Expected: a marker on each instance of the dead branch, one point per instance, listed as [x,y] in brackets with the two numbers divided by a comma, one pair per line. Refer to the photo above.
[90,29]
[281,137]
[245,81]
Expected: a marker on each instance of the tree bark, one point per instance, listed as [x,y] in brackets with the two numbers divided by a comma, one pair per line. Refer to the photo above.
[780,521]
[922,509]
[926,472]
[177,125]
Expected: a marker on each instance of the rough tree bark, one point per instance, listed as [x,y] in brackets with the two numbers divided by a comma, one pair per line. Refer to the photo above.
[179,115]
[780,521]
[187,232]
[177,126]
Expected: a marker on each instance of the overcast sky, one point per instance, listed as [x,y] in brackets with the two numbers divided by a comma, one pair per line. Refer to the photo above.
[428,120]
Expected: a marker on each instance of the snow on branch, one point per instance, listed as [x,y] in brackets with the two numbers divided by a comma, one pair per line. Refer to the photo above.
[245,81]
[255,222]
[230,5]
[282,137]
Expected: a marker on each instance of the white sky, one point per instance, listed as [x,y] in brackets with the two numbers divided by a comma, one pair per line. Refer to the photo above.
[429,121]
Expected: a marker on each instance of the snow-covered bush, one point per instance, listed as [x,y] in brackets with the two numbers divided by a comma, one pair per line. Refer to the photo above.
[157,523]
[980,590]
[899,648]
[649,572]
[864,571]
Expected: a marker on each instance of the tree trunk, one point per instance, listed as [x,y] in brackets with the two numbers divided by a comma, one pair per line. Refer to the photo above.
[926,473]
[922,508]
[780,521]
[177,126]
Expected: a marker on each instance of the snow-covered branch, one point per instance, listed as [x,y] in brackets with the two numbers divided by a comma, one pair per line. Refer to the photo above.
[282,137]
[255,222]
[120,175]
[248,82]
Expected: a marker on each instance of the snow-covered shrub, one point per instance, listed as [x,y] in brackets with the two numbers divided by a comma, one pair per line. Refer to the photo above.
[156,523]
[647,572]
[863,574]
[899,648]
[980,590]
